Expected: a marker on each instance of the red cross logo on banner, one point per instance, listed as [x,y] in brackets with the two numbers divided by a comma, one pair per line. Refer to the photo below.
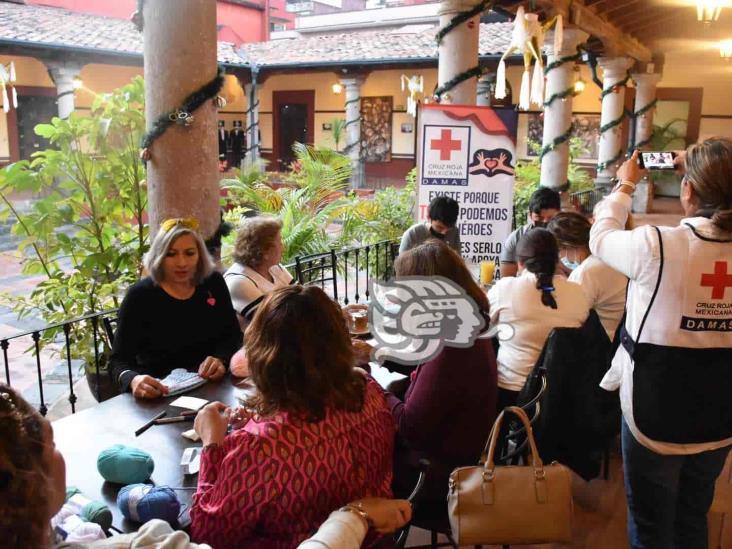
[445,144]
[719,281]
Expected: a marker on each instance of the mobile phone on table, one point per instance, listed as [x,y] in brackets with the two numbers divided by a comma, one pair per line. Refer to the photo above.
[657,160]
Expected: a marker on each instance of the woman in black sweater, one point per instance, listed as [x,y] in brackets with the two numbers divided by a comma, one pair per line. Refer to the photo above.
[180,316]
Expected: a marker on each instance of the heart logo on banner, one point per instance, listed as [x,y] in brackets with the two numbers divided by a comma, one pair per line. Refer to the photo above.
[491,163]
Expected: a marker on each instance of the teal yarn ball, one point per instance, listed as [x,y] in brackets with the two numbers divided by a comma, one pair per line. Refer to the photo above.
[98,513]
[71,491]
[125,464]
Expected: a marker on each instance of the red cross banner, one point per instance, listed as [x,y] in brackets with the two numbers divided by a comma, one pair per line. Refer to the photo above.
[468,153]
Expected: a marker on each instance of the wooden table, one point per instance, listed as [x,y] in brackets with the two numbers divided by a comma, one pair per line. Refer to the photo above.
[81,437]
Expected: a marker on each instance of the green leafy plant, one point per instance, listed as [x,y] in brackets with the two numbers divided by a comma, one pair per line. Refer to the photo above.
[671,134]
[86,233]
[311,198]
[337,126]
[528,177]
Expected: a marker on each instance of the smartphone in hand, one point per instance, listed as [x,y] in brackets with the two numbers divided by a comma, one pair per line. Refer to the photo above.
[657,160]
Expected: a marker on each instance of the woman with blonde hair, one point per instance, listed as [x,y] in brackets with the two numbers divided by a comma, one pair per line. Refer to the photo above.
[180,316]
[256,270]
[674,365]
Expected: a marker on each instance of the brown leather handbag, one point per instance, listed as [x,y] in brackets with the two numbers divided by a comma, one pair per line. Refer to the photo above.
[526,504]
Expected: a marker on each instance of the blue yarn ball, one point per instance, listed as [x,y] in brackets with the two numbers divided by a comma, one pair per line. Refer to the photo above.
[143,502]
[125,464]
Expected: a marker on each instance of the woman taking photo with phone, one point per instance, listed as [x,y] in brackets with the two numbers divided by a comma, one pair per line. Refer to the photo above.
[674,366]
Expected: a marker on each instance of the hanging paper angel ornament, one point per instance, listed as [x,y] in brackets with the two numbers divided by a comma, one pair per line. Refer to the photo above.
[7,77]
[415,85]
[528,39]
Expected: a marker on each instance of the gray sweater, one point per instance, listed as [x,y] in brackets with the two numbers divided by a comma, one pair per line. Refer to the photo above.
[420,232]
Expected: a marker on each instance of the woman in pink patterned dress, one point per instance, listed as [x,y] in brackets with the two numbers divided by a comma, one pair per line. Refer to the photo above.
[321,434]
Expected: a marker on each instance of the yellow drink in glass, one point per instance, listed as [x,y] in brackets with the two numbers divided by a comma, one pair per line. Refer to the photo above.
[487,271]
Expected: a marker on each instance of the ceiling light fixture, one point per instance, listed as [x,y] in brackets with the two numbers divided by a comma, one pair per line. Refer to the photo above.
[725,49]
[708,11]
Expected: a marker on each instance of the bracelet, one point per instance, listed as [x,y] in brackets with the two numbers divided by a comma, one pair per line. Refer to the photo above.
[357,509]
[628,183]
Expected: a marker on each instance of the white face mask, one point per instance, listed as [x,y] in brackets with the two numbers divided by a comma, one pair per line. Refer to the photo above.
[570,264]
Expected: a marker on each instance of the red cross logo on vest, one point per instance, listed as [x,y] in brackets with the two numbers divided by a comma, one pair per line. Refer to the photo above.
[719,281]
[445,144]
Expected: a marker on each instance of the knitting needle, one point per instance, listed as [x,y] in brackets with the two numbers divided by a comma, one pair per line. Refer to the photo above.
[149,424]
[174,419]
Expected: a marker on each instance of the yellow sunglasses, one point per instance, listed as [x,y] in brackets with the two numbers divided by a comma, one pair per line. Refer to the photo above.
[185,222]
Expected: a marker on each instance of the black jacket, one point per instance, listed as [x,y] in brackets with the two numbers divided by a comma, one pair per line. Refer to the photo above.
[577,417]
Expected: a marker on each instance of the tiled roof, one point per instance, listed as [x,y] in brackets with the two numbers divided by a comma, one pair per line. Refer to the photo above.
[366,46]
[59,27]
[54,27]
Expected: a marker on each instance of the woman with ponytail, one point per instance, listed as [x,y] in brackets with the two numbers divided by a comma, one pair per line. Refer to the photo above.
[533,303]
[674,365]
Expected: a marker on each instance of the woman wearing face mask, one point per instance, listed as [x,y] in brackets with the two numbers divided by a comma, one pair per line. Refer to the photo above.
[180,316]
[604,287]
[533,304]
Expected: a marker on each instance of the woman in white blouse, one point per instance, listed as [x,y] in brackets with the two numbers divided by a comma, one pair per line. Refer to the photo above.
[604,286]
[533,304]
[256,270]
[674,365]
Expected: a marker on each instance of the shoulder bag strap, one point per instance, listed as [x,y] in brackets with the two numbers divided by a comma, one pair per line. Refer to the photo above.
[628,342]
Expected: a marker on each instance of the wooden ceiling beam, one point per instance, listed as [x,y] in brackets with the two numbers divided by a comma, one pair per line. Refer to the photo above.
[616,41]
[620,6]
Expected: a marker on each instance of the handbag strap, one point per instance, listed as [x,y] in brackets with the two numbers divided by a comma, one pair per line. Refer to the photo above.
[487,457]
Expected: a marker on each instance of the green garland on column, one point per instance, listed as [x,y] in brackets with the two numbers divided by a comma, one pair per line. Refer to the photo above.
[457,79]
[456,21]
[637,114]
[182,115]
[348,148]
[255,125]
[560,139]
[613,123]
[461,18]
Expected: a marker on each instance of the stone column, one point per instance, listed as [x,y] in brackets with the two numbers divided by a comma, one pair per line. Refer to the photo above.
[252,131]
[352,88]
[180,57]
[63,73]
[458,51]
[613,106]
[558,115]
[485,86]
[645,95]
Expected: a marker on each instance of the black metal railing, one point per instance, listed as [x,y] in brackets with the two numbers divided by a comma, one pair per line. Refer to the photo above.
[345,275]
[585,201]
[65,329]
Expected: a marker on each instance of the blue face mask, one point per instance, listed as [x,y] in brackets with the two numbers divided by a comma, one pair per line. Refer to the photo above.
[571,265]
